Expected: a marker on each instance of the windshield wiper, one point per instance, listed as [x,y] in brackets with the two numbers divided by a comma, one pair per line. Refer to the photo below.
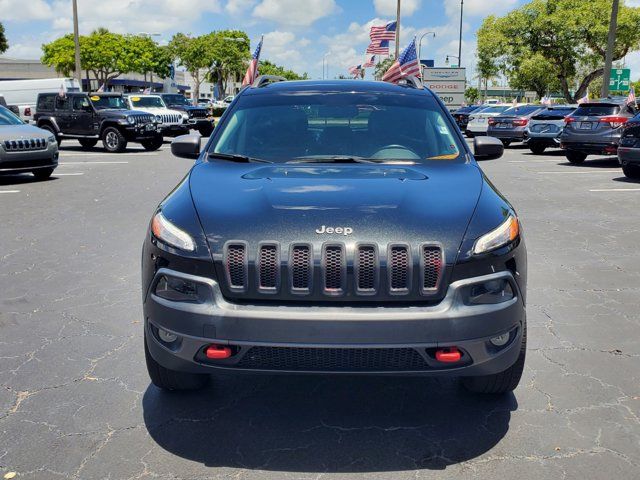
[333,159]
[237,158]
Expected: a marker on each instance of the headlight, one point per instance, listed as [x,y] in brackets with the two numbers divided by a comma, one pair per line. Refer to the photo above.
[168,233]
[131,120]
[185,116]
[158,119]
[51,139]
[506,233]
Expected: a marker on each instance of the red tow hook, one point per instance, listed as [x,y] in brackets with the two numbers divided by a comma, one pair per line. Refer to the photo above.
[448,355]
[217,352]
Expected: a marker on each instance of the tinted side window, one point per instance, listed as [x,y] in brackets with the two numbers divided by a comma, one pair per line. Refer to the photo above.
[62,103]
[45,102]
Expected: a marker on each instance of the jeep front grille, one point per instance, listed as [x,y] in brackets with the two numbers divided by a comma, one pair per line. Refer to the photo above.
[198,113]
[141,119]
[366,269]
[22,145]
[171,118]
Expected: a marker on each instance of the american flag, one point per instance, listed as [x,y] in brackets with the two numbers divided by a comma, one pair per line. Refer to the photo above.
[386,32]
[355,71]
[100,88]
[631,99]
[407,65]
[379,47]
[252,71]
[584,99]
[370,63]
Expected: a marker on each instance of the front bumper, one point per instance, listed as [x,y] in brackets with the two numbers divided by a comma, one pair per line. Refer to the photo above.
[138,133]
[417,328]
[26,161]
[174,129]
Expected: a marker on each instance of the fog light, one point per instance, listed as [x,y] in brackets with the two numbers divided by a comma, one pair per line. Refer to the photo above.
[167,337]
[490,292]
[500,340]
[177,289]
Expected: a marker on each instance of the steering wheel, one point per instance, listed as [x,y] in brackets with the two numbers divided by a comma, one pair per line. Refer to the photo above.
[412,155]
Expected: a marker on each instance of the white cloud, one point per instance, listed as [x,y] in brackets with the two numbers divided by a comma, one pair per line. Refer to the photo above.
[21,11]
[479,8]
[24,50]
[238,7]
[294,12]
[389,7]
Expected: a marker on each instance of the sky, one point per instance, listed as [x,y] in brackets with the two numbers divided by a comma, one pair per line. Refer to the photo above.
[297,33]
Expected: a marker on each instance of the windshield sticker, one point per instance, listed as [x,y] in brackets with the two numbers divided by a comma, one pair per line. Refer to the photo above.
[95,98]
[135,99]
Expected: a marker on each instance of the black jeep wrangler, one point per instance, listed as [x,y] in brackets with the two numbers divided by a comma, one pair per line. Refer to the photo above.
[199,118]
[97,116]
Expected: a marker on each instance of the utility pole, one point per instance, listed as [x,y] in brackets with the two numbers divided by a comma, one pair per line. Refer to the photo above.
[613,25]
[460,39]
[76,40]
[398,30]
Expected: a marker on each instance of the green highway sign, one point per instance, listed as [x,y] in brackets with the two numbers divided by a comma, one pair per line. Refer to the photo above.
[620,79]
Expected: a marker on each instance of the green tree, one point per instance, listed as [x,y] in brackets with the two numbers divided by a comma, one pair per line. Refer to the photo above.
[570,35]
[146,56]
[4,44]
[193,54]
[270,68]
[536,73]
[382,67]
[471,94]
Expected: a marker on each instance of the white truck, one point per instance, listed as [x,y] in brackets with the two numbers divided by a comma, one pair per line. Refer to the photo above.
[23,94]
[174,122]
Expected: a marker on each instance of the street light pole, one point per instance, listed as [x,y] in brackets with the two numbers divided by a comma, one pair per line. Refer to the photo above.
[460,38]
[613,25]
[76,41]
[420,48]
[398,30]
[324,57]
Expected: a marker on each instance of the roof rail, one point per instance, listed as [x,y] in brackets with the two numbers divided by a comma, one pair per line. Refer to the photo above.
[264,80]
[412,82]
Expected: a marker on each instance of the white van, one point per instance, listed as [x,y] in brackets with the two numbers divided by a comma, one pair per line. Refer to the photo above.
[24,93]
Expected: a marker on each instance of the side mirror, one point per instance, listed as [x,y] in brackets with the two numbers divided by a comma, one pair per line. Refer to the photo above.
[186,146]
[487,148]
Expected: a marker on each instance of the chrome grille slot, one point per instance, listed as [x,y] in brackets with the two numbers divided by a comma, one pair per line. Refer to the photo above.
[268,267]
[431,267]
[333,262]
[301,268]
[236,266]
[366,269]
[399,269]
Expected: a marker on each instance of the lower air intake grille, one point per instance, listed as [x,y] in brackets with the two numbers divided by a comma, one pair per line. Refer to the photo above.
[431,267]
[333,265]
[236,266]
[300,265]
[333,359]
[399,269]
[268,268]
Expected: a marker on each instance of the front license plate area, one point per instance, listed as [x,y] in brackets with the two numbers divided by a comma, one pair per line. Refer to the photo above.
[149,127]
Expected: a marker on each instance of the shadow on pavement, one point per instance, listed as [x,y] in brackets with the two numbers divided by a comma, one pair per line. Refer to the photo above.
[327,424]
[22,179]
[631,181]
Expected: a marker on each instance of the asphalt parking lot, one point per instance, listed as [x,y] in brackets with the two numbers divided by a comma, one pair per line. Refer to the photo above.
[76,402]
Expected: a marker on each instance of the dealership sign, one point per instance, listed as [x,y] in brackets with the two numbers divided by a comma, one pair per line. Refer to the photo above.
[448,83]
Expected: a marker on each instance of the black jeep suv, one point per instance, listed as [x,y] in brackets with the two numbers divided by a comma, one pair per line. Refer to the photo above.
[199,118]
[337,227]
[97,116]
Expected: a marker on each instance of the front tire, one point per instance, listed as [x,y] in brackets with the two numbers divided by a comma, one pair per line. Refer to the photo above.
[153,144]
[113,140]
[173,380]
[537,149]
[576,157]
[631,171]
[87,143]
[502,382]
[42,173]
[50,129]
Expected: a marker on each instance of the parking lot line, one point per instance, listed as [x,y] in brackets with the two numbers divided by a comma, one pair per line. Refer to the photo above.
[580,173]
[67,174]
[615,190]
[9,191]
[130,154]
[93,163]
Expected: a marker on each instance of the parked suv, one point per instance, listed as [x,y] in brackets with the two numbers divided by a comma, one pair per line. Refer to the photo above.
[545,127]
[299,242]
[198,117]
[25,148]
[174,122]
[511,125]
[595,128]
[97,116]
[629,148]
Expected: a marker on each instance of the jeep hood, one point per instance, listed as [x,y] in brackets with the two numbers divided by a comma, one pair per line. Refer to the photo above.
[380,203]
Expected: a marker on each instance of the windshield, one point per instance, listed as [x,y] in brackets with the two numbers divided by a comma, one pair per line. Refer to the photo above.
[336,125]
[147,102]
[175,100]
[102,102]
[522,110]
[8,118]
